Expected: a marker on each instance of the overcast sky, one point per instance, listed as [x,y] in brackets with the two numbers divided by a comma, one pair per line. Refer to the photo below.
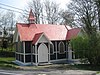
[21,3]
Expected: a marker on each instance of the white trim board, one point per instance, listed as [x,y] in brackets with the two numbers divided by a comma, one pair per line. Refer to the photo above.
[42,38]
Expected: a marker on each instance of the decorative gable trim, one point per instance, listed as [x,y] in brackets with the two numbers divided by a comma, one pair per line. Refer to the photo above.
[39,38]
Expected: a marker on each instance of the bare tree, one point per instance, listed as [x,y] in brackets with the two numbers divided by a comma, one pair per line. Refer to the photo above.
[52,12]
[98,11]
[23,18]
[37,9]
[67,18]
[7,22]
[45,12]
[85,12]
[8,19]
[36,6]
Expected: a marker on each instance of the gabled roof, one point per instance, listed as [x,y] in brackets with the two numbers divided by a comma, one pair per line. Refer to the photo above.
[32,31]
[53,32]
[72,33]
[38,36]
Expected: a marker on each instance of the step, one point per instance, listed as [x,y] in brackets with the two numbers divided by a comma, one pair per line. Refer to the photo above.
[42,64]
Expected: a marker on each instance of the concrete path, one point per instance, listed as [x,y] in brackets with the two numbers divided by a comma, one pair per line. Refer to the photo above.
[57,72]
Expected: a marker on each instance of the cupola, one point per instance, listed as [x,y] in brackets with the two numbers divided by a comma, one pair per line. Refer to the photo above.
[31,18]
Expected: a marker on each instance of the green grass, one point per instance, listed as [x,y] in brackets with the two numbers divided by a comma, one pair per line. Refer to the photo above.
[6,63]
[8,49]
[7,59]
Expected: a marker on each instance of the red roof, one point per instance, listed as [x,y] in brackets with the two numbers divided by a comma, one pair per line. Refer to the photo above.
[72,33]
[53,32]
[32,32]
[36,37]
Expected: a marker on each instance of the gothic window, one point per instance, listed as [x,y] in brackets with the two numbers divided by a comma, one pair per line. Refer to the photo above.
[51,48]
[61,47]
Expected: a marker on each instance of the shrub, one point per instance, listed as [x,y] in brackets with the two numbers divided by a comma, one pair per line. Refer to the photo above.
[7,54]
[87,48]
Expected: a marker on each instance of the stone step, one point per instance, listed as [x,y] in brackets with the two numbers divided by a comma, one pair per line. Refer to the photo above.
[42,64]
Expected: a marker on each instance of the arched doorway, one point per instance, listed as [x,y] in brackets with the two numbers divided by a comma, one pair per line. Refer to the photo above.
[42,53]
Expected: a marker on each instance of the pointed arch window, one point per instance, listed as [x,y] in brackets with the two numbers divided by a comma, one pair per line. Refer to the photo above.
[51,49]
[61,47]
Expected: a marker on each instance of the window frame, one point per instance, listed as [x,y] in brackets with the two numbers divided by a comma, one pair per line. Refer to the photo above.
[28,47]
[33,48]
[52,48]
[59,46]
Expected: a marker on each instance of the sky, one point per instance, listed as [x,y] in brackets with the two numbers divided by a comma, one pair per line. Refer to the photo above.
[21,3]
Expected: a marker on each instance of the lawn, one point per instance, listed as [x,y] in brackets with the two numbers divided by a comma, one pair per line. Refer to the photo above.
[6,63]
